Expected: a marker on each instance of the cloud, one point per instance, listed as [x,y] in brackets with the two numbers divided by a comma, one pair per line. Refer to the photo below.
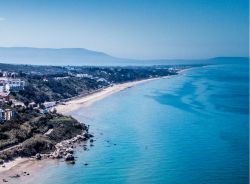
[2,18]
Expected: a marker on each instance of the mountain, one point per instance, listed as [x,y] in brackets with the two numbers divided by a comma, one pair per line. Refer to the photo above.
[49,56]
[81,56]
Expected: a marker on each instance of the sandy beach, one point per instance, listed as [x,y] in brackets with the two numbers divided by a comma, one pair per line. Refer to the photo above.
[20,165]
[23,170]
[29,165]
[16,167]
[89,99]
[11,164]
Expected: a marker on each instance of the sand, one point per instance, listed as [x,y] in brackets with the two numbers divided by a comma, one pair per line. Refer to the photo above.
[87,100]
[29,165]
[27,170]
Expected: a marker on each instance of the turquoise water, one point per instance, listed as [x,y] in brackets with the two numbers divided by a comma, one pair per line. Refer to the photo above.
[191,128]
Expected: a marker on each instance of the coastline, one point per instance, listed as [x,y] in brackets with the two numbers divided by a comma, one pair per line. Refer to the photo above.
[87,100]
[76,103]
[29,164]
[21,167]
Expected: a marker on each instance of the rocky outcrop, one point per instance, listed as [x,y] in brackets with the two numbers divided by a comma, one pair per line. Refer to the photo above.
[70,150]
[69,157]
[65,149]
[66,132]
[38,156]
[42,146]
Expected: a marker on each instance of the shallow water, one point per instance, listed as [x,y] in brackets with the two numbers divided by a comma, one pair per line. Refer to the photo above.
[191,128]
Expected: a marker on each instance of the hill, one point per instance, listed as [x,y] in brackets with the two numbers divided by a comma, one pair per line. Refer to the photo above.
[81,57]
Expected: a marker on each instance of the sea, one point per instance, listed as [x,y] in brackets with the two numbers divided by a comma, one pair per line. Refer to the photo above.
[192,128]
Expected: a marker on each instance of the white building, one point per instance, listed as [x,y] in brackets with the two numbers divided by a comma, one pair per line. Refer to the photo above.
[10,84]
[16,84]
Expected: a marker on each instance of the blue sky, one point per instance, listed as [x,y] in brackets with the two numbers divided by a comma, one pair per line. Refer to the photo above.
[140,29]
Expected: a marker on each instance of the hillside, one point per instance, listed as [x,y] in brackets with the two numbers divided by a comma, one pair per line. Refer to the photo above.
[49,56]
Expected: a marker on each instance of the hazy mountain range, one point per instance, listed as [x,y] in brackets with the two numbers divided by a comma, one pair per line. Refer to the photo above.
[78,57]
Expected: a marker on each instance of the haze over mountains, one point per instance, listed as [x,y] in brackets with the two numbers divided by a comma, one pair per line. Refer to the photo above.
[77,57]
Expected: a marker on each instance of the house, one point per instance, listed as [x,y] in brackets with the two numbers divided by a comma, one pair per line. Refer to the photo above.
[6,115]
[9,114]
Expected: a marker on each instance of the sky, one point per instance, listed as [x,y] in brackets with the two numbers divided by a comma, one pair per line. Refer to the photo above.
[138,29]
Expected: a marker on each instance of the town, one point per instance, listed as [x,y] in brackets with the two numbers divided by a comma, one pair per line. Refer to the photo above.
[8,83]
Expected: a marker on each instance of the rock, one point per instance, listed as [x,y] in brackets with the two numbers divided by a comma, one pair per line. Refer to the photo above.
[91,145]
[38,156]
[69,157]
[85,139]
[57,154]
[70,150]
[91,140]
[1,162]
[46,156]
[74,139]
[72,162]
[15,176]
[87,135]
[4,180]
[80,137]
[86,164]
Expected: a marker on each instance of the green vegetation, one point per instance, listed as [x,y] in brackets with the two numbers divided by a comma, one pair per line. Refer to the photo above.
[54,83]
[26,138]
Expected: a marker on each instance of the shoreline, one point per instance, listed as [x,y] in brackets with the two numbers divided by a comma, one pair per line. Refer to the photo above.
[74,104]
[12,167]
[9,165]
[84,101]
[22,168]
